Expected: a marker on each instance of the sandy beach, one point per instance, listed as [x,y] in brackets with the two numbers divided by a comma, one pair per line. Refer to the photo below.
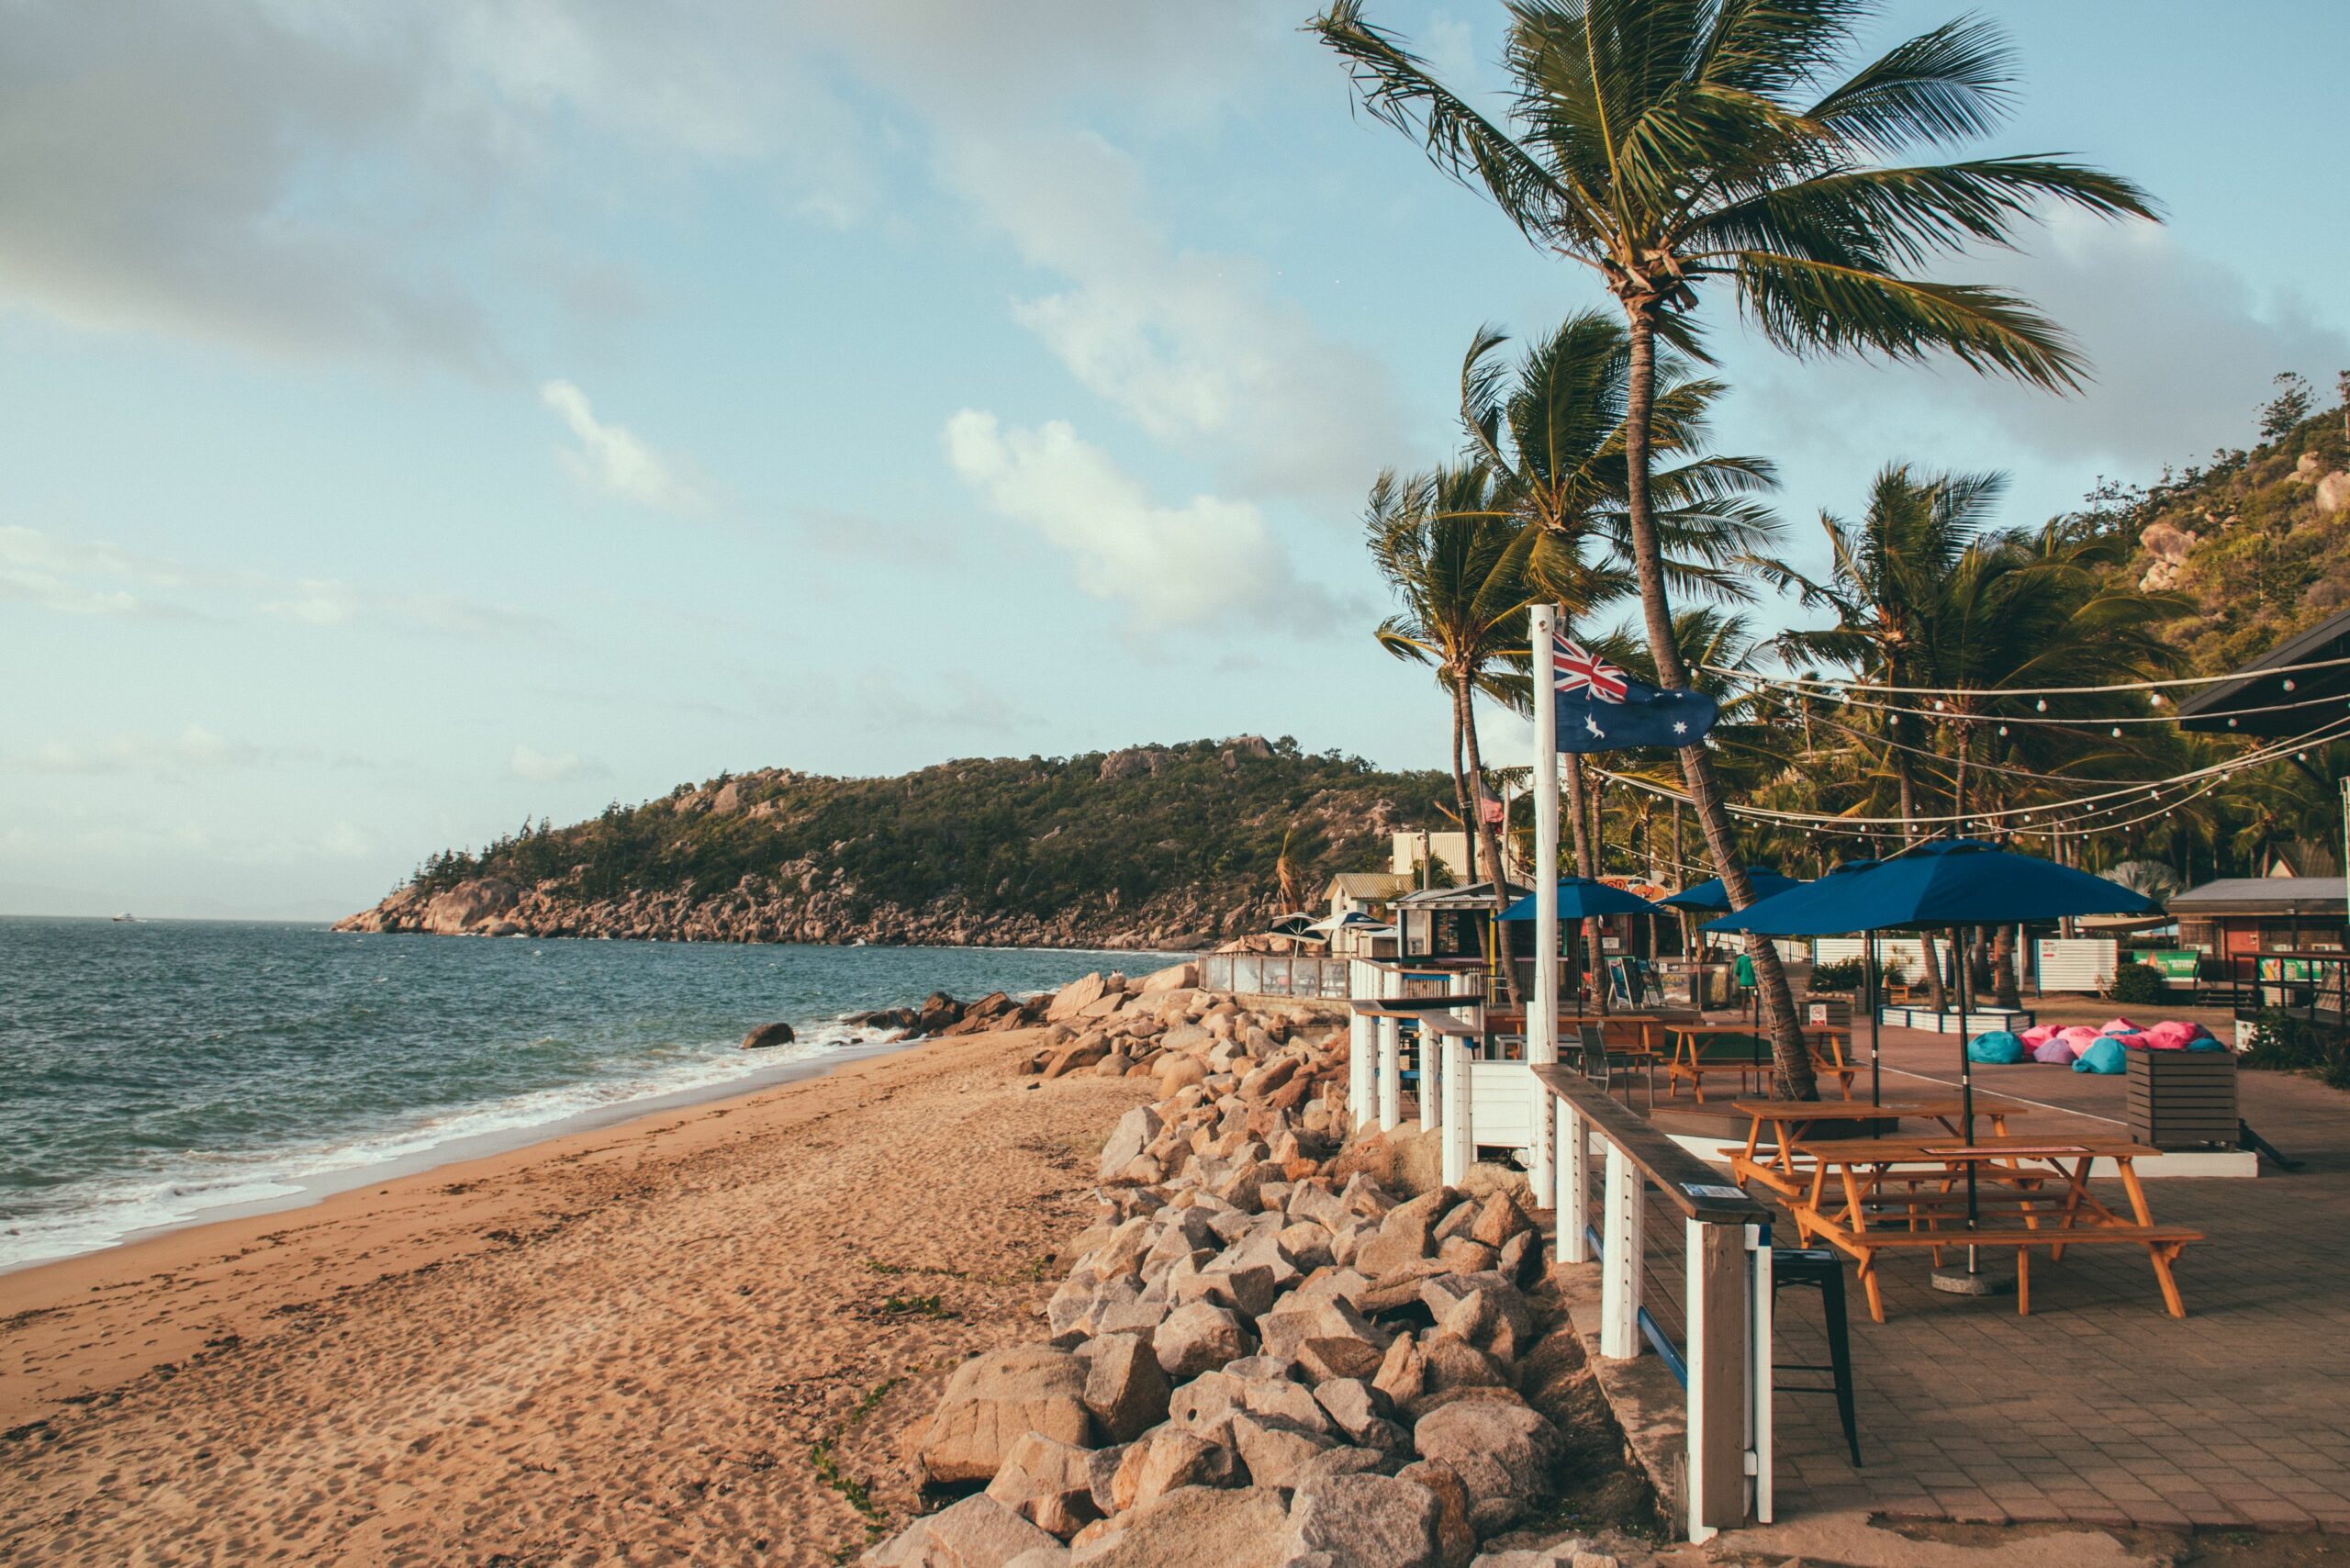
[692,1336]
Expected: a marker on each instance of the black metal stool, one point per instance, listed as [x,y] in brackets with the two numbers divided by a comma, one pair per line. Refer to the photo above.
[1817,1268]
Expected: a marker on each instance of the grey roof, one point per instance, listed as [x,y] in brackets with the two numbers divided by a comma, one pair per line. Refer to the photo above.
[1476,894]
[1369,884]
[2315,698]
[2265,895]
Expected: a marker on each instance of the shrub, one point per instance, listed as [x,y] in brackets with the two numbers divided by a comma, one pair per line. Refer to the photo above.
[1844,975]
[2135,984]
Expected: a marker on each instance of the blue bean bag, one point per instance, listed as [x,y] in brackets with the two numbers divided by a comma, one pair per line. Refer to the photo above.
[1997,1048]
[2105,1055]
[2204,1042]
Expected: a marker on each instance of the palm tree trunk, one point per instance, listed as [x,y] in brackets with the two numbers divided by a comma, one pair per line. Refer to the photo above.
[1461,783]
[1483,833]
[1789,1053]
[1584,860]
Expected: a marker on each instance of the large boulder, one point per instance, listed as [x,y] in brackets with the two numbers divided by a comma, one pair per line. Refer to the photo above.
[977,1532]
[1500,1448]
[1175,977]
[1365,1521]
[1167,1461]
[1197,1338]
[1133,1135]
[995,1399]
[1195,1526]
[1048,1484]
[1076,997]
[1126,1388]
[767,1034]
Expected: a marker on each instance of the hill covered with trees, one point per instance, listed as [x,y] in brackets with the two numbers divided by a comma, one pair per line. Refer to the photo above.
[1154,846]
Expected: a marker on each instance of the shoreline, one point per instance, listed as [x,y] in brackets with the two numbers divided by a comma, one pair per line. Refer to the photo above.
[636,1333]
[469,1146]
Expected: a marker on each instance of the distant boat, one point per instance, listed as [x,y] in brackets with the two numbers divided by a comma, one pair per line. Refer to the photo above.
[126,920]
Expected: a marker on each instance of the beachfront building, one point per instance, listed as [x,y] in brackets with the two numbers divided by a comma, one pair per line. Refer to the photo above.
[2240,915]
[1424,858]
[1372,896]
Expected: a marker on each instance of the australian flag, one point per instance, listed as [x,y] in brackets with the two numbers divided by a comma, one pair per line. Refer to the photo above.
[1601,709]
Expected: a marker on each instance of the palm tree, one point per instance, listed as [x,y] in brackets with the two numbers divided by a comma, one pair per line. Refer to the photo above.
[1550,426]
[1669,143]
[1457,562]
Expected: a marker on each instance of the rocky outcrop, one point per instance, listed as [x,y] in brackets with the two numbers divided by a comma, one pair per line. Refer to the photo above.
[1284,1361]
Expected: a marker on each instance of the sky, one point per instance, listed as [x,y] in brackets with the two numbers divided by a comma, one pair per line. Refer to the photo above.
[419,420]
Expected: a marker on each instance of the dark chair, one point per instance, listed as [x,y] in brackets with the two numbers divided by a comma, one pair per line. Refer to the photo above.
[1817,1268]
[1600,1064]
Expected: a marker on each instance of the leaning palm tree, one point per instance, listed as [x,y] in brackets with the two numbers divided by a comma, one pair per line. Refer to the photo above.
[1669,144]
[1457,564]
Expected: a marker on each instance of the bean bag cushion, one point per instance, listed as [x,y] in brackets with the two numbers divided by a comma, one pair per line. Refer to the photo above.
[2054,1052]
[2105,1055]
[1997,1048]
[2038,1036]
[2118,1026]
[2080,1036]
[2175,1034]
[2133,1039]
[2204,1042]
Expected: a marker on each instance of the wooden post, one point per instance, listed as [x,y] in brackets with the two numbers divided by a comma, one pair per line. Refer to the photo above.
[1574,1186]
[1391,1073]
[1619,1259]
[1719,1396]
[1460,1144]
[1542,1007]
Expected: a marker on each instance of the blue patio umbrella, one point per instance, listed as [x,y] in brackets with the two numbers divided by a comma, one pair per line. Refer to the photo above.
[1950,882]
[1766,883]
[1583,898]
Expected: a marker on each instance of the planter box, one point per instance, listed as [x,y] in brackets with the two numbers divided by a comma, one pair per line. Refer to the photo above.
[2182,1099]
[1836,1011]
[1979,1020]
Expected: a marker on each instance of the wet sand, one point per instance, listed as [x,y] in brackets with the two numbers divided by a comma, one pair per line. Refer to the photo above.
[693,1337]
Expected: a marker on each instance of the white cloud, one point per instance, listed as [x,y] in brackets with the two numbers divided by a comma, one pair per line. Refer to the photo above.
[1206,561]
[551,768]
[74,576]
[1196,347]
[192,748]
[612,459]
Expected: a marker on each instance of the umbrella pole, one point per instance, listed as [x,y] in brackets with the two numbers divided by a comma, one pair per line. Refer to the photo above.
[1868,992]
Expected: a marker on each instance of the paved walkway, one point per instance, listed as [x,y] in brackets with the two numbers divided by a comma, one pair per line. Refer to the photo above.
[2099,1408]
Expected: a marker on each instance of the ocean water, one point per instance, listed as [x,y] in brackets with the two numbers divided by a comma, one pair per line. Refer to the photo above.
[151,1072]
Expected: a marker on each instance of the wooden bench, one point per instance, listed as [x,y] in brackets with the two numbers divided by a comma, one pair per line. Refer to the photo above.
[2163,1243]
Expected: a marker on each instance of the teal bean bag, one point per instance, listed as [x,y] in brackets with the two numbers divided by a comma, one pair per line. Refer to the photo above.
[2204,1043]
[1997,1048]
[2105,1055]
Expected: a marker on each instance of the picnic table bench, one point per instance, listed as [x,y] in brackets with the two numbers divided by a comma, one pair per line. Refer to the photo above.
[1699,1050]
[1791,1122]
[2042,1183]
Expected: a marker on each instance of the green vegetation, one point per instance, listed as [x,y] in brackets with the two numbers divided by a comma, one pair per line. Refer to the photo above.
[1204,824]
[2137,985]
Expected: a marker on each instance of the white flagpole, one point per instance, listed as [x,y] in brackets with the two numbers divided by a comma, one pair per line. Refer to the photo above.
[1542,1008]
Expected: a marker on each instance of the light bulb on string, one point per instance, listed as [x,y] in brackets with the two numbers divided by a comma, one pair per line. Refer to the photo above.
[2116,732]
[2003,729]
[2289,683]
[2041,704]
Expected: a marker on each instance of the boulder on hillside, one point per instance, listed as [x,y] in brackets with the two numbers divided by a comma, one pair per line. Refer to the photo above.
[767,1034]
[1076,997]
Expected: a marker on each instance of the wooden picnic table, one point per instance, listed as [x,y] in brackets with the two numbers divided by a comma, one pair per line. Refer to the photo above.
[1790,1123]
[1689,1061]
[2039,1197]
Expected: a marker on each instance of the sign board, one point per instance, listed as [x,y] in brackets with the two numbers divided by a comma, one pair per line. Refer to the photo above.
[2176,965]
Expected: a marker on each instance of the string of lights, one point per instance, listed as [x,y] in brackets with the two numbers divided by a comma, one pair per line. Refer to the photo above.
[1834,683]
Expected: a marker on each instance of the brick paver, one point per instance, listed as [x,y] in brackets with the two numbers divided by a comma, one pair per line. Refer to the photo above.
[2099,1408]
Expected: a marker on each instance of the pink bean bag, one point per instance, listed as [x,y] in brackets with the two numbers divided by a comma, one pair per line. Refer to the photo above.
[2174,1035]
[2079,1036]
[2054,1051]
[2039,1035]
[2118,1026]
[2132,1039]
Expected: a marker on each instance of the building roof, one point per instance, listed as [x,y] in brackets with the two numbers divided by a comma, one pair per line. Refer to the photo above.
[2317,696]
[1476,895]
[1375,885]
[2265,895]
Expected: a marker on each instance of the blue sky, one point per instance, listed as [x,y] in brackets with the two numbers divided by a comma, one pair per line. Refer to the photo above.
[419,418]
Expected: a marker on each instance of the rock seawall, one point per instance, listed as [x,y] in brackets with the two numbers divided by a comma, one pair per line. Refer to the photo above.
[763,909]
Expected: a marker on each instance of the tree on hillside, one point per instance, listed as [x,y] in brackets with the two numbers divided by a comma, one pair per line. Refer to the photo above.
[1668,144]
[1457,564]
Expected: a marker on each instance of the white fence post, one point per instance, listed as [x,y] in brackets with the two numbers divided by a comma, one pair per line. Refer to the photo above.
[1619,1259]
[1391,1073]
[1460,1144]
[1434,1082]
[1542,1007]
[1359,1066]
[1574,1186]
[1759,1434]
[1720,1301]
